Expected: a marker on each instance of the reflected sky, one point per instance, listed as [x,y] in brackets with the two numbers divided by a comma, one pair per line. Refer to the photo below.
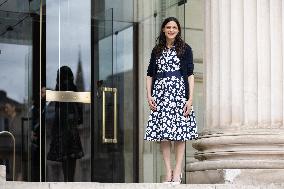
[122,53]
[68,32]
[13,76]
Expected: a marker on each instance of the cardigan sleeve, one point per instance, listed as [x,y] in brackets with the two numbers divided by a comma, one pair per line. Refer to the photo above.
[189,61]
[151,66]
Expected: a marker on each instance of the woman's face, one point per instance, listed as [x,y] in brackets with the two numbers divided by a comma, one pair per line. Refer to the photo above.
[171,30]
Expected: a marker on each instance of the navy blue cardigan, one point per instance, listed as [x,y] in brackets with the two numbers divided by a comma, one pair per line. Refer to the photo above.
[187,67]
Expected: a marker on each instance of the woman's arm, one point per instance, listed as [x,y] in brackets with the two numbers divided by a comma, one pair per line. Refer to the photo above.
[190,66]
[187,108]
[150,99]
[148,85]
[191,87]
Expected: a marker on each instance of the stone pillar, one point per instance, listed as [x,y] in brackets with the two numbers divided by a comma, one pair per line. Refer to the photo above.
[147,34]
[2,173]
[243,139]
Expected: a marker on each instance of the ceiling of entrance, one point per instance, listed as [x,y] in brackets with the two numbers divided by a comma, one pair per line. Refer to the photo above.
[15,20]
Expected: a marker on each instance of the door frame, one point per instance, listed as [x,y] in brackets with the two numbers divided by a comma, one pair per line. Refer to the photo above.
[94,57]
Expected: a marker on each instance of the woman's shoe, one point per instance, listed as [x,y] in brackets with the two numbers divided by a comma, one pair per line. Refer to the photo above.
[169,180]
[178,181]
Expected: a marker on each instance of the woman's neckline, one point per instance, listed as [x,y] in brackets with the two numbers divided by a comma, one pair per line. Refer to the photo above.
[172,47]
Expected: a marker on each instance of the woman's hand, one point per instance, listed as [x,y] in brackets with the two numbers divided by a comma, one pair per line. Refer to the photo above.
[187,108]
[152,103]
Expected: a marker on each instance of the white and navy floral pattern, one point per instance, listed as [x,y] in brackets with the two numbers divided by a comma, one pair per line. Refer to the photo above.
[168,121]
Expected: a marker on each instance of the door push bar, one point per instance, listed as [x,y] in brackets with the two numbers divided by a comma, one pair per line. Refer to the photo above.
[114,91]
[14,153]
[68,96]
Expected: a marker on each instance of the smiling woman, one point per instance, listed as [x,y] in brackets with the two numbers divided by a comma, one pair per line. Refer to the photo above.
[170,84]
[171,30]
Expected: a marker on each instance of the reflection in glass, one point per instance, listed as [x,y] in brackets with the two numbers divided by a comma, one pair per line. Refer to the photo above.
[15,59]
[65,143]
[68,27]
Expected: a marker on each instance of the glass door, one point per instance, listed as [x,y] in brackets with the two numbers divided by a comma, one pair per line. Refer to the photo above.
[105,109]
[17,59]
[88,119]
[66,80]
[113,134]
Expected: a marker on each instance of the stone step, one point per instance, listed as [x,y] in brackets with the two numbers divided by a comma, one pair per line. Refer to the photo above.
[80,185]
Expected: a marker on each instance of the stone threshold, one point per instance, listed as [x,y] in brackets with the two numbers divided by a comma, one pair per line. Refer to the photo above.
[88,185]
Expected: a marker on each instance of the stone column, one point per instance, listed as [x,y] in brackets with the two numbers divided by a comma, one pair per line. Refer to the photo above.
[2,173]
[243,139]
[147,34]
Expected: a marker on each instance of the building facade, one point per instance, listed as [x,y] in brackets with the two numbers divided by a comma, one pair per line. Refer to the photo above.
[238,97]
[106,45]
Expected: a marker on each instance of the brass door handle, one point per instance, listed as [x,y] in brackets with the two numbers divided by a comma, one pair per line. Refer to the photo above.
[68,96]
[114,91]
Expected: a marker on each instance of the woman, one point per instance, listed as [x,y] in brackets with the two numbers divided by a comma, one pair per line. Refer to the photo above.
[66,145]
[170,83]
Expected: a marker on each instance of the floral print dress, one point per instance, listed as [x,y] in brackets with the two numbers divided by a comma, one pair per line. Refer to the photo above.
[168,121]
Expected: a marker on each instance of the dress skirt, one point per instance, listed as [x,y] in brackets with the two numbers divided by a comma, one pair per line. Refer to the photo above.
[167,122]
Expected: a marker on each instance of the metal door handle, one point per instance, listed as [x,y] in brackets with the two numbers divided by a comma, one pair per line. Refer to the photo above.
[114,91]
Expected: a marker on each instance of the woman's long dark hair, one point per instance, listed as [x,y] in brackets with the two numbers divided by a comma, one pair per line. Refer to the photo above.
[65,79]
[161,41]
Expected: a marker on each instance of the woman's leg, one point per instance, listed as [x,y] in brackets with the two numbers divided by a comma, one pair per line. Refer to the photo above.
[71,169]
[65,170]
[179,150]
[69,166]
[166,150]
